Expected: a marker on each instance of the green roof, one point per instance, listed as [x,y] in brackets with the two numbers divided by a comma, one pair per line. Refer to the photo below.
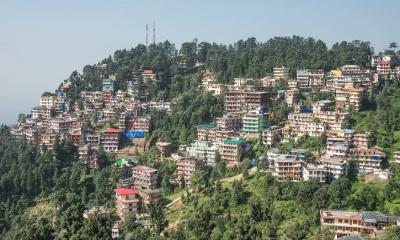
[234,141]
[206,126]
[122,162]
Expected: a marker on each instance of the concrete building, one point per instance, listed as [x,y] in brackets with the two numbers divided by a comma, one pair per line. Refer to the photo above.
[271,136]
[186,167]
[345,223]
[334,167]
[287,167]
[314,171]
[110,139]
[141,124]
[92,139]
[303,79]
[316,79]
[203,150]
[229,122]
[281,73]
[251,122]
[383,68]
[127,202]
[291,96]
[375,59]
[165,149]
[231,150]
[144,176]
[206,132]
[239,102]
[108,85]
[147,196]
[47,101]
[366,159]
[149,76]
[349,97]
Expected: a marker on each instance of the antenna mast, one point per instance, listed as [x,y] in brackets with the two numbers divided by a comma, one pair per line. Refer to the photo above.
[147,35]
[154,33]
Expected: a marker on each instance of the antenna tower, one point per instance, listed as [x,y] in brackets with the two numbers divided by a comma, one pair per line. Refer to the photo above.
[147,35]
[154,33]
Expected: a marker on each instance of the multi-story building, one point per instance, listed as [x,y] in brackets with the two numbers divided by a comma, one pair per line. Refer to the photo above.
[314,171]
[148,196]
[220,135]
[281,73]
[144,176]
[251,122]
[238,102]
[383,68]
[61,125]
[292,84]
[321,106]
[127,202]
[231,150]
[334,167]
[92,139]
[108,85]
[203,150]
[375,59]
[42,112]
[228,122]
[366,159]
[303,78]
[141,124]
[332,120]
[345,223]
[186,167]
[110,139]
[361,140]
[287,167]
[349,96]
[49,138]
[165,149]
[271,135]
[396,157]
[206,132]
[291,96]
[351,70]
[149,76]
[89,156]
[316,79]
[47,101]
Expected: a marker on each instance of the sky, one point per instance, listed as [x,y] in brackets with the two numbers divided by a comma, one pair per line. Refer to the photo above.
[43,41]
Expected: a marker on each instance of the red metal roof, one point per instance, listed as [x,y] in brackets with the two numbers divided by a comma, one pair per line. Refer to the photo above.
[148,72]
[112,130]
[124,191]
[384,63]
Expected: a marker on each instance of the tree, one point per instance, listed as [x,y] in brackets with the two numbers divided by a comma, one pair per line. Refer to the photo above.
[198,180]
[393,46]
[391,233]
[129,224]
[157,217]
[237,194]
[97,226]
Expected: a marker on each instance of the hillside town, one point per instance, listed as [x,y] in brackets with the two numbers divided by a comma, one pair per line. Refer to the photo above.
[117,122]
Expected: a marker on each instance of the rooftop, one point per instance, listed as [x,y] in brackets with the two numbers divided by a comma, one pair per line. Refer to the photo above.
[144,168]
[233,141]
[206,126]
[124,191]
[112,130]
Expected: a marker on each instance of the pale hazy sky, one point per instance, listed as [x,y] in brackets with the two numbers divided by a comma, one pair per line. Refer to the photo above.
[43,41]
